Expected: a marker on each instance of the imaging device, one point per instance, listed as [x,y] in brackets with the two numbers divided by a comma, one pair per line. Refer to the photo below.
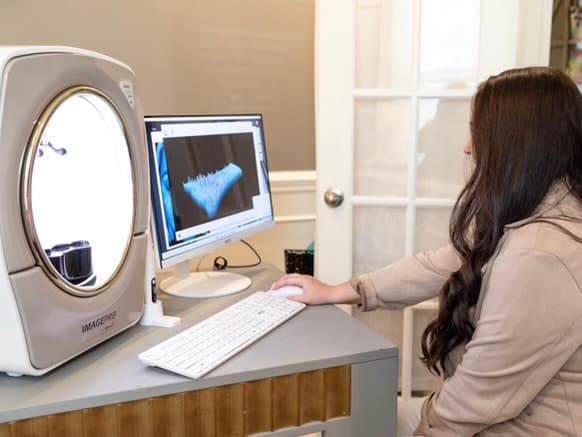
[74,190]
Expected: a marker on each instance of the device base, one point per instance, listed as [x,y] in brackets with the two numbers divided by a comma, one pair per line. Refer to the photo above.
[205,284]
[153,315]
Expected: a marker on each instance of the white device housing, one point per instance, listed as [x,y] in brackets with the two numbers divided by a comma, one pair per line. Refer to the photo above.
[41,323]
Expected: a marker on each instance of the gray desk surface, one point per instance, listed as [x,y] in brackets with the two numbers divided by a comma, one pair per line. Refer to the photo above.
[318,337]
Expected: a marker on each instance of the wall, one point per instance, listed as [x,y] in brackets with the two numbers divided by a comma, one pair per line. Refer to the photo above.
[197,56]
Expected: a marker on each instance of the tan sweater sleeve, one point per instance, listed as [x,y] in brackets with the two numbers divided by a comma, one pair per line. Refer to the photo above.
[530,325]
[408,281]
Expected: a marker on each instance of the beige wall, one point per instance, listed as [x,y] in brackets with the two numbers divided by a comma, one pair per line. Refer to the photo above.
[197,57]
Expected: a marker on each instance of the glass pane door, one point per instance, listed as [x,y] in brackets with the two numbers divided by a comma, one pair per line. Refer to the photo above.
[416,69]
[394,83]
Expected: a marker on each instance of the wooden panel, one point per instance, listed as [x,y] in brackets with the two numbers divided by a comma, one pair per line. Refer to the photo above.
[230,411]
[66,424]
[337,391]
[135,419]
[258,407]
[37,427]
[101,421]
[168,415]
[285,394]
[229,418]
[199,413]
[311,397]
[4,429]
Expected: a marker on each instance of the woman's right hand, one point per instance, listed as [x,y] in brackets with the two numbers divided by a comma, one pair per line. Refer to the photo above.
[316,292]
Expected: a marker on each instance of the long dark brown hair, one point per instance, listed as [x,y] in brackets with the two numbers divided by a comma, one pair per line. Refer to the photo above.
[526,131]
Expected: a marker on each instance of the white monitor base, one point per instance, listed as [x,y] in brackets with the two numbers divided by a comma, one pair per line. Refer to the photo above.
[205,284]
[153,315]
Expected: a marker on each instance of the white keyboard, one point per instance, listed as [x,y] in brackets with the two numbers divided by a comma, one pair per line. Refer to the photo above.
[204,346]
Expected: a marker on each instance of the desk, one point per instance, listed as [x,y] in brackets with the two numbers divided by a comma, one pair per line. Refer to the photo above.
[320,371]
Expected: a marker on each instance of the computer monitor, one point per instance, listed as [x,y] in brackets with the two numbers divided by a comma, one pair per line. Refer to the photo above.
[209,187]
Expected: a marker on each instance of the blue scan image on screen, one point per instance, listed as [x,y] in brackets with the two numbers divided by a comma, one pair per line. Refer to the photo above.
[207,191]
[166,194]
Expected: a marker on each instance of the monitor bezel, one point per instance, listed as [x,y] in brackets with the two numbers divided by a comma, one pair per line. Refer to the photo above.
[202,250]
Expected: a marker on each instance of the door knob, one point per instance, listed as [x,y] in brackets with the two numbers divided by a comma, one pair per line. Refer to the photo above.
[333,197]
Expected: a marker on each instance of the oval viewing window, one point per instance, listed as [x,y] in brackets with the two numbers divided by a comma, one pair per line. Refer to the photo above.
[78,191]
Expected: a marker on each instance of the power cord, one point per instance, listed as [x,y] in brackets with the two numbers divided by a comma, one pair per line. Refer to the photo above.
[221,263]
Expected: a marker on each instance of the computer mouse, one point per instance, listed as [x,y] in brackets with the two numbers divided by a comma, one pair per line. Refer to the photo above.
[287,291]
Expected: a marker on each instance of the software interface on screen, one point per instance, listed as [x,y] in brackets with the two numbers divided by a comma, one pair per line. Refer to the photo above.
[209,181]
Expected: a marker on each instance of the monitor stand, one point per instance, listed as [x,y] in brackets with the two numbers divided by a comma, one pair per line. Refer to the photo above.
[185,283]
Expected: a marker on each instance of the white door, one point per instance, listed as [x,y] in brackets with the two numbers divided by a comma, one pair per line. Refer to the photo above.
[394,80]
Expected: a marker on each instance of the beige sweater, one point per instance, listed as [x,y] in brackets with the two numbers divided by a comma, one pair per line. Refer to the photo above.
[521,373]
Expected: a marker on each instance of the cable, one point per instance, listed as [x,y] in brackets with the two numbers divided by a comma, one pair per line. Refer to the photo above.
[200,262]
[221,263]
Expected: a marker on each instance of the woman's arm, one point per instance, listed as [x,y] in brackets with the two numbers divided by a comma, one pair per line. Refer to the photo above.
[408,281]
[405,282]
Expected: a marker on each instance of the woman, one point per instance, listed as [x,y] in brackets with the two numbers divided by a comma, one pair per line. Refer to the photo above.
[508,334]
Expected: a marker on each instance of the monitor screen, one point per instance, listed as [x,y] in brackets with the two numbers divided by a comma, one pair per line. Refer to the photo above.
[209,182]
